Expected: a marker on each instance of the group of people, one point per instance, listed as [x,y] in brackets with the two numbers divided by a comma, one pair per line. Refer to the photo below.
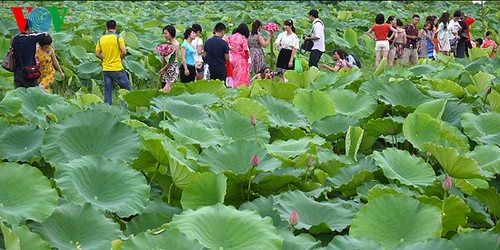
[232,59]
[438,35]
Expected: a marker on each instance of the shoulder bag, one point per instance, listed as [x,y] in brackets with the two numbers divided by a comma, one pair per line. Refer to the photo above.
[9,62]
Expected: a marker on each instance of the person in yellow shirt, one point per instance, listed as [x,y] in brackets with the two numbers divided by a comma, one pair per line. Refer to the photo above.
[111,50]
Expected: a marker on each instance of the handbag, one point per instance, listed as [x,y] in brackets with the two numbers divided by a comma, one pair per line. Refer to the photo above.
[9,62]
[32,72]
[307,45]
[297,65]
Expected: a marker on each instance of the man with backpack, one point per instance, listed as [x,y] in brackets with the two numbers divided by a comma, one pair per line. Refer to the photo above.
[317,37]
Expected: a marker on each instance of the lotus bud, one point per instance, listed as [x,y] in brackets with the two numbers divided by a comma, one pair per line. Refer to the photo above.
[310,161]
[488,91]
[390,130]
[447,184]
[294,218]
[254,161]
[253,121]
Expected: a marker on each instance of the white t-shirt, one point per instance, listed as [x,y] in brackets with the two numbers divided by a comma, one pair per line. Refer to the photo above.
[454,26]
[288,41]
[197,42]
[318,30]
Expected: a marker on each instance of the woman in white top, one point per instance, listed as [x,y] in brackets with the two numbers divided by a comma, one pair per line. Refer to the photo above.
[197,43]
[287,43]
[444,34]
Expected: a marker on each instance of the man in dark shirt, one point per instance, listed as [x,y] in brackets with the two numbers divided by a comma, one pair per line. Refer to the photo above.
[24,46]
[216,53]
[410,48]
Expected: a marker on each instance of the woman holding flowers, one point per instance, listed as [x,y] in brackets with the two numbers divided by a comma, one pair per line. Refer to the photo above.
[239,53]
[170,71]
[256,42]
[287,43]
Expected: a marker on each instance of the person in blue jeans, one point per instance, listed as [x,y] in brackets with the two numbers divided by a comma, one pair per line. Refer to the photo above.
[111,50]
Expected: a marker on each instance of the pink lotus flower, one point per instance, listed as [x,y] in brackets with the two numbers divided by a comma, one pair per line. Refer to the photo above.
[165,49]
[253,121]
[294,218]
[254,161]
[447,184]
[272,27]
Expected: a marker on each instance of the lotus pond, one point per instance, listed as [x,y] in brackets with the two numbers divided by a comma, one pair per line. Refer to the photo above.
[360,156]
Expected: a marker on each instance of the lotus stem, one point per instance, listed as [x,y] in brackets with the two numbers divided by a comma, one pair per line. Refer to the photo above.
[249,183]
[154,174]
[170,193]
[255,133]
[272,52]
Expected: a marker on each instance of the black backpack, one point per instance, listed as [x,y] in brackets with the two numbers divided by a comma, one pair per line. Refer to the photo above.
[356,61]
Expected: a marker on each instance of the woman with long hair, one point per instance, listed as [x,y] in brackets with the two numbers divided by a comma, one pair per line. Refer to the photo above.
[444,34]
[239,55]
[287,43]
[255,44]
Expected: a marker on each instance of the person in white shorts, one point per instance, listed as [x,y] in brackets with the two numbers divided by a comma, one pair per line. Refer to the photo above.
[381,31]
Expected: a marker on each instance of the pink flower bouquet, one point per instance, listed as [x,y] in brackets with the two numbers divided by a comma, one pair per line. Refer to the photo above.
[166,50]
[272,27]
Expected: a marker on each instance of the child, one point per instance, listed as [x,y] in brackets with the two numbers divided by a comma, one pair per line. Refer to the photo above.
[46,56]
[490,42]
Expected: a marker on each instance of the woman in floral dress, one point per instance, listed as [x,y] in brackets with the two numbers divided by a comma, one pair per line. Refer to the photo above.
[170,71]
[255,44]
[239,55]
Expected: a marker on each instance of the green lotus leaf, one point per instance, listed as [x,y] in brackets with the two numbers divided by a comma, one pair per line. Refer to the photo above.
[86,99]
[235,157]
[381,67]
[353,140]
[155,214]
[292,148]
[351,37]
[481,81]
[181,168]
[324,80]
[80,53]
[207,189]
[487,158]
[192,132]
[447,86]
[476,53]
[490,197]
[409,170]
[130,39]
[199,98]
[358,105]
[25,193]
[10,104]
[334,125]
[380,220]
[238,127]
[482,128]
[179,109]
[115,110]
[379,190]
[265,207]
[21,143]
[335,215]
[301,241]
[442,244]
[347,77]
[169,239]
[434,108]
[282,113]
[140,98]
[4,125]
[454,111]
[203,86]
[454,211]
[314,104]
[382,126]
[73,226]
[248,107]
[106,184]
[271,183]
[402,93]
[350,177]
[494,100]
[90,133]
[422,69]
[475,240]
[137,69]
[88,70]
[33,99]
[222,227]
[281,90]
[341,242]
[303,80]
[20,237]
[453,163]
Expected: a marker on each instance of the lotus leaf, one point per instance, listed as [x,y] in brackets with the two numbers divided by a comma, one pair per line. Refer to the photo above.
[447,86]
[453,163]
[25,193]
[301,241]
[334,216]
[33,99]
[349,242]
[235,157]
[434,108]
[191,132]
[402,93]
[281,90]
[409,170]
[238,127]
[358,105]
[265,207]
[353,140]
[482,128]
[21,143]
[248,107]
[88,70]
[73,226]
[220,226]
[350,177]
[490,197]
[292,148]
[303,80]
[10,104]
[481,81]
[334,125]
[475,240]
[314,104]
[443,244]
[179,109]
[379,220]
[90,133]
[20,237]
[282,113]
[207,189]
[169,239]
[487,158]
[106,184]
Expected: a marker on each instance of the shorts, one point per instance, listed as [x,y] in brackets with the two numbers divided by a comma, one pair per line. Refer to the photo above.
[382,45]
